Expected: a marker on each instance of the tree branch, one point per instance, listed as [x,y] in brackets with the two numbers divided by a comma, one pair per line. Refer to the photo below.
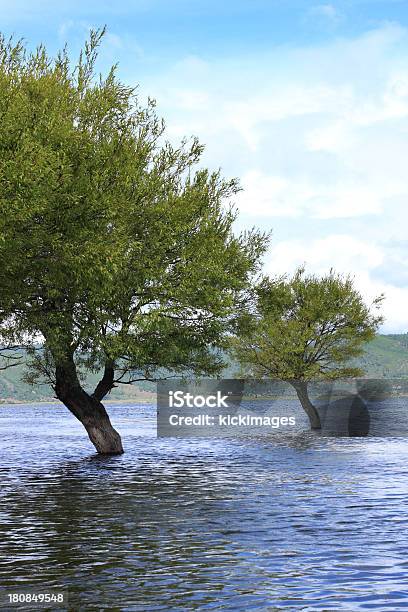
[106,384]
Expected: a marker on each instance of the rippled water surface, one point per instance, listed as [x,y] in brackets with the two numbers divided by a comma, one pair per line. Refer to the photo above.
[260,523]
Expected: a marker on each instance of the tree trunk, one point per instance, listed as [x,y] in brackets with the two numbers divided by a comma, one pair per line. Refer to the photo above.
[95,419]
[300,387]
[87,409]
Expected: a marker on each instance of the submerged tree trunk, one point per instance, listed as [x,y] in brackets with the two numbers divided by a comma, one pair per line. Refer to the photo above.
[88,409]
[95,419]
[300,387]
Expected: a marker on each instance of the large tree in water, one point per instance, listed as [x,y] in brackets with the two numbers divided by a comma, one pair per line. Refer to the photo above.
[117,250]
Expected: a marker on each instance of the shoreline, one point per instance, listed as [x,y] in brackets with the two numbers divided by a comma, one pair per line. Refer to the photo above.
[147,400]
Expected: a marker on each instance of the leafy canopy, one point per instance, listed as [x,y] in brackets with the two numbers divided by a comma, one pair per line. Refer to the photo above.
[305,327]
[115,246]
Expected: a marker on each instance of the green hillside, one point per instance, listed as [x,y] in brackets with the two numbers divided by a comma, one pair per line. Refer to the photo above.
[13,388]
[386,356]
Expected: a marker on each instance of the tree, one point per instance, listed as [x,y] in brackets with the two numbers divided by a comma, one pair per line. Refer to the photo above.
[305,328]
[117,250]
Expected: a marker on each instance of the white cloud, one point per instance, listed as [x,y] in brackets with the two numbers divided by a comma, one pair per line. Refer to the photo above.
[342,251]
[327,12]
[315,133]
[346,254]
[270,195]
[277,196]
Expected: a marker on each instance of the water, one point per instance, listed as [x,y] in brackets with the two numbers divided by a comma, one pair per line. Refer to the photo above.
[258,523]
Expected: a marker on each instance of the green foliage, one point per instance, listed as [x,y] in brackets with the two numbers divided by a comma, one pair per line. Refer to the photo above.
[306,327]
[114,244]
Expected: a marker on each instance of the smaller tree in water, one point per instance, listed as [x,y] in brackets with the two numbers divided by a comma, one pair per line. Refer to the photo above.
[305,328]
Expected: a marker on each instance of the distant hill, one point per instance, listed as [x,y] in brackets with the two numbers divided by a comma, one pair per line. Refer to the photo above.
[384,357]
[14,389]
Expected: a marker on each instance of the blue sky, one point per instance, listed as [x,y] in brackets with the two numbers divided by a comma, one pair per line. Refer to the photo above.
[306,102]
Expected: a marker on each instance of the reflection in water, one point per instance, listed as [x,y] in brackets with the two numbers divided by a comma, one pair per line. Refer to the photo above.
[345,413]
[274,523]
